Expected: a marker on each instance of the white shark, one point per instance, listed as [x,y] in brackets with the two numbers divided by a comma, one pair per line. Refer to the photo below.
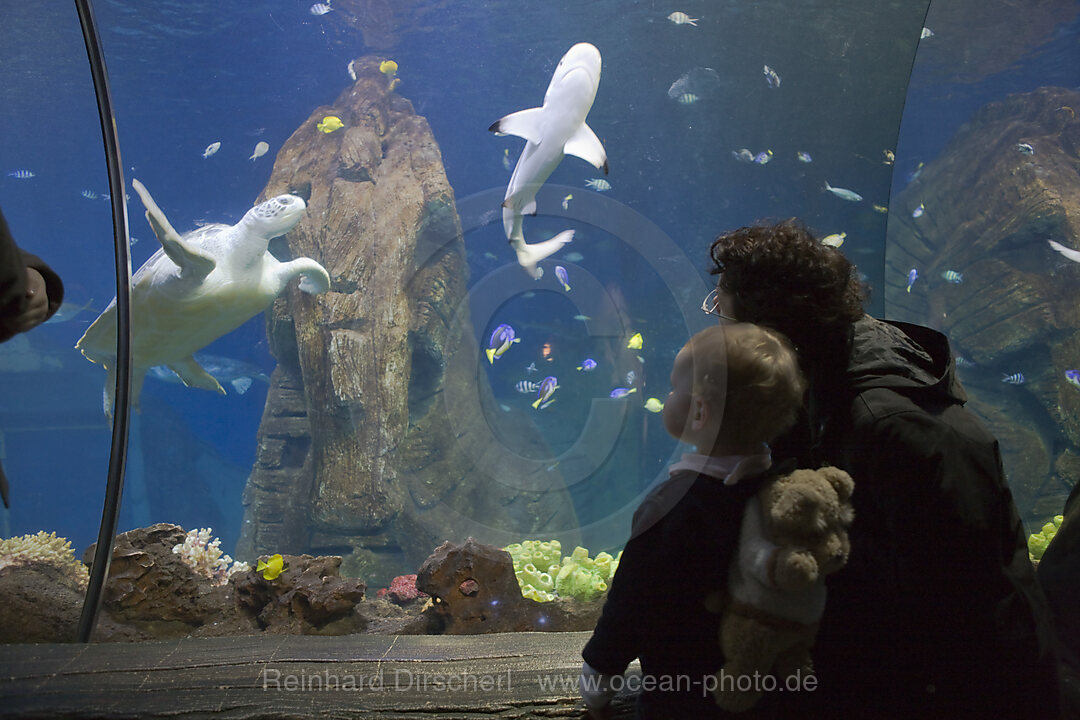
[529,255]
[551,131]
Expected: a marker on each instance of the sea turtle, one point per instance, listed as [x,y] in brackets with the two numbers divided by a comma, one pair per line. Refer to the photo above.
[198,287]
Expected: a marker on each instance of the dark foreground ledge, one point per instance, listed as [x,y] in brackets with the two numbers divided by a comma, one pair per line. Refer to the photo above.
[505,675]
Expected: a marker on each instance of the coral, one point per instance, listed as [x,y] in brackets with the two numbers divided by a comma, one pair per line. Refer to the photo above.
[402,590]
[45,549]
[544,574]
[583,577]
[1038,542]
[205,557]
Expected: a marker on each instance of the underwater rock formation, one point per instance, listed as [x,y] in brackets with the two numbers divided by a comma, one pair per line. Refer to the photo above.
[152,593]
[474,590]
[307,598]
[1005,185]
[40,602]
[359,451]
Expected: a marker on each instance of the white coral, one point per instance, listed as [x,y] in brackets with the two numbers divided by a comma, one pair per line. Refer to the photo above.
[203,555]
[43,548]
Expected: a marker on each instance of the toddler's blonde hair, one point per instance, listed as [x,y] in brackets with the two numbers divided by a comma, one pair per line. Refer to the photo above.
[752,372]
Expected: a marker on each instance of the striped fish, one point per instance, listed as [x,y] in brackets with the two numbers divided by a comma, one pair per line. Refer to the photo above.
[527,388]
[1017,378]
[20,174]
[953,277]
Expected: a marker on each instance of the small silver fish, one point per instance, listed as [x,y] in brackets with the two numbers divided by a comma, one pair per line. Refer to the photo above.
[598,184]
[211,149]
[260,150]
[771,77]
[918,212]
[630,378]
[743,155]
[320,8]
[531,368]
[1025,148]
[1016,378]
[843,193]
[680,18]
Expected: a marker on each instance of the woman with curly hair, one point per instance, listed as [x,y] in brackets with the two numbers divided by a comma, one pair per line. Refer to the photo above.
[937,613]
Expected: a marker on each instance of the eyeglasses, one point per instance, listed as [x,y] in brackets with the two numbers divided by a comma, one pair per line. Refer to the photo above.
[711,306]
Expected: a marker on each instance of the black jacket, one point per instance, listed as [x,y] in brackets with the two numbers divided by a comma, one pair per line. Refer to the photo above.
[655,609]
[937,613]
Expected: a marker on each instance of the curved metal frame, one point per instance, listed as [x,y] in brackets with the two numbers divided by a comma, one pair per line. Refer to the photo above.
[122,411]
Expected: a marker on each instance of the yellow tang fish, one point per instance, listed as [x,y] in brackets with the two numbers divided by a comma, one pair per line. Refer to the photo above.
[636,342]
[388,67]
[329,124]
[271,567]
[654,405]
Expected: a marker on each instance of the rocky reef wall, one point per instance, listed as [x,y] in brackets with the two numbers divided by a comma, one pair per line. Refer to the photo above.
[359,452]
[1005,185]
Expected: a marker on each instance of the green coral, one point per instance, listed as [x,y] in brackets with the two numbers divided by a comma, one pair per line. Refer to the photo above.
[535,564]
[543,573]
[1038,542]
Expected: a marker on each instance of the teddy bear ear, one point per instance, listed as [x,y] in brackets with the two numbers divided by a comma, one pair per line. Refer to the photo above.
[840,480]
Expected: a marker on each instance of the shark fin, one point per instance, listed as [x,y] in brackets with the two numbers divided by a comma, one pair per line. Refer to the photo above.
[585,145]
[523,123]
[529,255]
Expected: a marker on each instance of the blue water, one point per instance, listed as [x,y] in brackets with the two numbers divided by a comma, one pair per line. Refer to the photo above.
[186,74]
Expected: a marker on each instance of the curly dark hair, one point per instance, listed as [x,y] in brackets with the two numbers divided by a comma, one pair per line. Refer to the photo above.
[780,276]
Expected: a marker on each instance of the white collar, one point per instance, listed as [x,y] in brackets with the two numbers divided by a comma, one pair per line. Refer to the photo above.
[728,468]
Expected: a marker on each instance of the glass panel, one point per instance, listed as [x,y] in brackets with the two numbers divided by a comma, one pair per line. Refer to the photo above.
[367,421]
[984,181]
[54,440]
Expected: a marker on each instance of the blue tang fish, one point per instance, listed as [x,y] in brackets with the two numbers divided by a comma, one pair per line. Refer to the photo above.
[500,342]
[547,388]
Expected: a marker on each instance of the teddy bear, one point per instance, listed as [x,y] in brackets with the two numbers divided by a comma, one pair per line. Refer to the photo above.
[793,534]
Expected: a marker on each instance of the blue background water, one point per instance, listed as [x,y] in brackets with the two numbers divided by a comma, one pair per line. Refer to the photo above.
[186,74]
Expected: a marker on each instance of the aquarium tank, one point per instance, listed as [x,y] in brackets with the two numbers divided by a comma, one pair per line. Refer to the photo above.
[400,375]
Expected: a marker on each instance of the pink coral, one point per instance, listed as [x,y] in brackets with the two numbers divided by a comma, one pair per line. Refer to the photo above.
[402,590]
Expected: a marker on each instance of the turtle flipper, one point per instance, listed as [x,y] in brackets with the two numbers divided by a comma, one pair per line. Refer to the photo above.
[193,375]
[108,396]
[191,260]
